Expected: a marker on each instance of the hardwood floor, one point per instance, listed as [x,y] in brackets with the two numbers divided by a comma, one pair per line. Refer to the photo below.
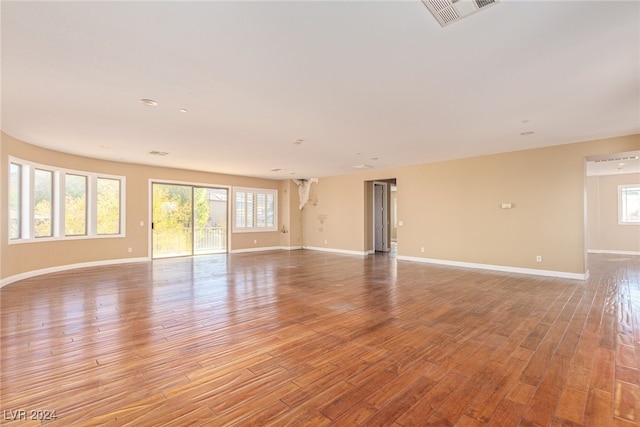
[284,338]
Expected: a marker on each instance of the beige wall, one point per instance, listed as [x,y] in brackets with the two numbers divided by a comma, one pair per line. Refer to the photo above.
[290,215]
[604,233]
[335,216]
[26,257]
[452,209]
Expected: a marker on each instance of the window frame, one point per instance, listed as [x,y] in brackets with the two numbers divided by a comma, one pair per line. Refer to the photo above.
[253,216]
[622,204]
[26,207]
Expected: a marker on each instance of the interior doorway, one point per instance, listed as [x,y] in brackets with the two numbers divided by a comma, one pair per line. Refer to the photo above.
[612,206]
[380,215]
[381,204]
[188,220]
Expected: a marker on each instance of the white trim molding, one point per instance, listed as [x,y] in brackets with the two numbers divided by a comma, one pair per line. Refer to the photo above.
[336,251]
[519,270]
[611,251]
[260,249]
[34,273]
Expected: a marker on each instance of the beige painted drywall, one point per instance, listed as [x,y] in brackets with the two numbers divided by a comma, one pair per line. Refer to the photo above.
[26,257]
[605,234]
[290,215]
[452,209]
[335,217]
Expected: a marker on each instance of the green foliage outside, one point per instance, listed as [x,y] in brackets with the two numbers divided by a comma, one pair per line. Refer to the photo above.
[108,209]
[173,214]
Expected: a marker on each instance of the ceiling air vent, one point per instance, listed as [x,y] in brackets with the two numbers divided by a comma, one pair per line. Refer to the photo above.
[450,11]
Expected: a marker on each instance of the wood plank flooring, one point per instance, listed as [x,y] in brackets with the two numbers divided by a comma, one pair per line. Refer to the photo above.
[309,338]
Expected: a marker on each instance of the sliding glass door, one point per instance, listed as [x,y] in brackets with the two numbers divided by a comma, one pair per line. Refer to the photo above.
[210,230]
[188,220]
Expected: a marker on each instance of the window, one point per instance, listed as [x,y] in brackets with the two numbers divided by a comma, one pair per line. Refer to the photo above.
[15,201]
[255,209]
[75,205]
[629,204]
[48,203]
[43,203]
[108,206]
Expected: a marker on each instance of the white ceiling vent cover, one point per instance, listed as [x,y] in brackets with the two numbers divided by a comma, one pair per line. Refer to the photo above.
[450,11]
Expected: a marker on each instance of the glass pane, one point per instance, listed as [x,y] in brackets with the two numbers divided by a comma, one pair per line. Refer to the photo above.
[172,220]
[250,220]
[75,205]
[270,210]
[108,206]
[241,210]
[630,204]
[15,211]
[42,203]
[261,205]
[210,231]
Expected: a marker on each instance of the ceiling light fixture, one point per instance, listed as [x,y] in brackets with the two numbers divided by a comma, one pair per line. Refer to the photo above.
[362,166]
[298,141]
[158,153]
[148,102]
[526,133]
[449,11]
[183,110]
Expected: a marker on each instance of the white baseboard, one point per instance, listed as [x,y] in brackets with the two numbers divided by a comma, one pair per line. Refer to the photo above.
[335,251]
[262,249]
[610,251]
[519,270]
[58,268]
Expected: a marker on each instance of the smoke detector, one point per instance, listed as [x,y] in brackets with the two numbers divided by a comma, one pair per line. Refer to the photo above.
[450,11]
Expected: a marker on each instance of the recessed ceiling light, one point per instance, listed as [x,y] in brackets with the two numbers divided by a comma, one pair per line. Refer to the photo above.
[526,133]
[148,102]
[374,158]
[183,110]
[363,166]
[298,141]
[276,170]
[158,153]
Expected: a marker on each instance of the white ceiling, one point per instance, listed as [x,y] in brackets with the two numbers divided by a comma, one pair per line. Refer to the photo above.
[363,82]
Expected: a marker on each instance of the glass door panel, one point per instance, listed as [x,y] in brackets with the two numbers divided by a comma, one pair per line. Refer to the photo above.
[172,233]
[210,231]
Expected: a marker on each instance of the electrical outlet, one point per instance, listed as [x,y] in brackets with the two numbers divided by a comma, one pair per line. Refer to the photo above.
[539,258]
[130,250]
[422,249]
